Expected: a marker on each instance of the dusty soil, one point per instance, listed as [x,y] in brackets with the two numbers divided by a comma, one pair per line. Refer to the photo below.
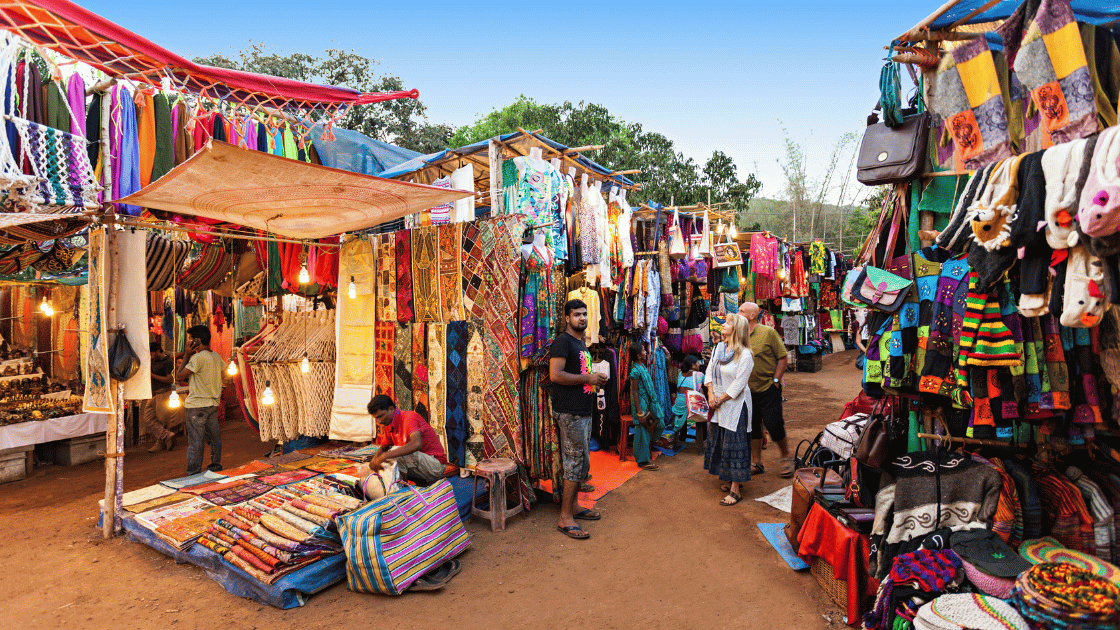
[665,555]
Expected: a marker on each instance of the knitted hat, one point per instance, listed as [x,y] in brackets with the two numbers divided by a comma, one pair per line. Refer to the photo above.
[1099,209]
[1061,595]
[1085,295]
[985,338]
[989,584]
[993,210]
[955,236]
[974,612]
[1048,549]
[1066,169]
[926,569]
[985,549]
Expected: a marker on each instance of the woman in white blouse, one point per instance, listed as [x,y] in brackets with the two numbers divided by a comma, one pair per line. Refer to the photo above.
[728,451]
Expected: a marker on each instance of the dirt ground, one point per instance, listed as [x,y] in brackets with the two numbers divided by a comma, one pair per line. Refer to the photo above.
[665,555]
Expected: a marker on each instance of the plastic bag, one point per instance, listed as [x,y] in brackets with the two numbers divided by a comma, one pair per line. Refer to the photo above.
[123,362]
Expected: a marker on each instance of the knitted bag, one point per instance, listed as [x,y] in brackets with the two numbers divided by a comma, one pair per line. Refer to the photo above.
[881,290]
[208,271]
[164,259]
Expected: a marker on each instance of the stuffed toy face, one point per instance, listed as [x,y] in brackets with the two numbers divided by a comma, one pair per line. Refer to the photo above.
[1099,214]
[991,227]
[1085,298]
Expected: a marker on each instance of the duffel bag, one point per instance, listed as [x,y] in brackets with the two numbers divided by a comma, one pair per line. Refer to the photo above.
[393,541]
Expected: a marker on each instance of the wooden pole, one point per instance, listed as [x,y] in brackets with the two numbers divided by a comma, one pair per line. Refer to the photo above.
[929,19]
[112,432]
[495,153]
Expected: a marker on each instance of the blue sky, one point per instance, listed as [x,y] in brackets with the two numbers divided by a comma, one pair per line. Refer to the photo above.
[709,75]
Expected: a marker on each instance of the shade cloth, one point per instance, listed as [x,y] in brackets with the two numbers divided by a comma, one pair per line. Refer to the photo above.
[288,197]
[1091,11]
[40,431]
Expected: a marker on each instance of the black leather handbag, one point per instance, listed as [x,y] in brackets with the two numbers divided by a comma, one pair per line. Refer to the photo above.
[889,155]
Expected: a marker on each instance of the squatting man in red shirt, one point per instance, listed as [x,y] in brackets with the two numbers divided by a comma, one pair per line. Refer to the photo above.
[407,438]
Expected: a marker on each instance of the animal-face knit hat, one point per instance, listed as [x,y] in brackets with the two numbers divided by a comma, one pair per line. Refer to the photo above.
[994,209]
[956,236]
[1066,167]
[1099,209]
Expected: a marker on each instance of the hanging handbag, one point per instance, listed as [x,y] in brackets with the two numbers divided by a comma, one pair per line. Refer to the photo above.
[678,248]
[861,483]
[849,285]
[890,155]
[123,362]
[391,542]
[881,290]
[874,442]
[842,436]
[705,245]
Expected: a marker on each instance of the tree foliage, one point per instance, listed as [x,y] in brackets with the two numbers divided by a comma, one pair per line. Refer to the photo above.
[402,122]
[666,174]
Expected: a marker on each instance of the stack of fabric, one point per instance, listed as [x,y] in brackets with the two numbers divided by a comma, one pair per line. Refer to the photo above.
[1058,595]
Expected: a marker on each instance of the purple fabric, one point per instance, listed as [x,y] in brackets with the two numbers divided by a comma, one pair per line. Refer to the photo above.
[124,143]
[76,98]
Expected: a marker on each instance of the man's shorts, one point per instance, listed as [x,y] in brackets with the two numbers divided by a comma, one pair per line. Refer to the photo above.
[768,413]
[575,433]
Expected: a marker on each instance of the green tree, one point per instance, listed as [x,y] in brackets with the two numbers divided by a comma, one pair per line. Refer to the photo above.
[402,122]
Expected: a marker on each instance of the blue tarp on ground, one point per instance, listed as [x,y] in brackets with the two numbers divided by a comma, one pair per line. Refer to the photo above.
[289,591]
[1091,11]
[420,162]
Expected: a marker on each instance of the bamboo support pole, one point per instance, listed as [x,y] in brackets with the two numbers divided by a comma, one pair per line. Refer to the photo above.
[113,431]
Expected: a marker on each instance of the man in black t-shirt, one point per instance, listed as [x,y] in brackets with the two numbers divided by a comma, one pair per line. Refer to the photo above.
[573,398]
[158,417]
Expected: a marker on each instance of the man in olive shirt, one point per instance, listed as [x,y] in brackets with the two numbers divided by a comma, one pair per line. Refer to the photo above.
[203,367]
[770,360]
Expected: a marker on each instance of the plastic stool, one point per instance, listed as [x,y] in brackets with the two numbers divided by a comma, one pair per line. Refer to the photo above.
[495,472]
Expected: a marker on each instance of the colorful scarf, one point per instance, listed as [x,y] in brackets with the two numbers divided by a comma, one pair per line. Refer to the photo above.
[437,370]
[477,384]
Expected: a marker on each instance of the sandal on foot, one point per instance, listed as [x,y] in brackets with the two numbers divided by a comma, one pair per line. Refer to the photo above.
[735,498]
[788,468]
[757,469]
[650,466]
[574,531]
[586,487]
[587,515]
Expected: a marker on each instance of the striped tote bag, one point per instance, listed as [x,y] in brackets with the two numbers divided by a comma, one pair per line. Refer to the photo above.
[393,541]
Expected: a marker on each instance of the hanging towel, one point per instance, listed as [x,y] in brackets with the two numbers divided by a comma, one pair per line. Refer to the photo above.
[146,128]
[126,151]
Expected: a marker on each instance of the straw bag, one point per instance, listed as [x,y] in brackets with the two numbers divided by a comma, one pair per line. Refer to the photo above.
[391,542]
[677,246]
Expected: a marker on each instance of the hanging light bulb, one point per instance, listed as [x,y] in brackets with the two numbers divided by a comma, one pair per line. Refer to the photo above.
[305,365]
[353,290]
[304,277]
[45,307]
[782,274]
[232,369]
[266,397]
[173,400]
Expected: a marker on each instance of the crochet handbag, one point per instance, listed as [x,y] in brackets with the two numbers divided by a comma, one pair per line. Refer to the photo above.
[880,289]
[677,246]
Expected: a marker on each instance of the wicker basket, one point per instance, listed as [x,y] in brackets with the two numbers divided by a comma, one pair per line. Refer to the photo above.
[836,588]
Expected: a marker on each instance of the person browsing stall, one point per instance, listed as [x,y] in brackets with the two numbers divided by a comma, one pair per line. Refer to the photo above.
[727,453]
[770,361]
[690,379]
[158,417]
[649,417]
[573,398]
[202,368]
[409,440]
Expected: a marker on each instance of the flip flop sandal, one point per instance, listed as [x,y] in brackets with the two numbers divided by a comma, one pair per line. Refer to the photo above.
[571,532]
[758,469]
[586,487]
[587,515]
[788,468]
[735,499]
[650,467]
[725,488]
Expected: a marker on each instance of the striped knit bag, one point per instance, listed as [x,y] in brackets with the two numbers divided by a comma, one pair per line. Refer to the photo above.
[393,541]
[164,259]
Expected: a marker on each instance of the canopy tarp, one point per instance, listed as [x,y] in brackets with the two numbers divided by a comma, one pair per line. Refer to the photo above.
[355,152]
[78,33]
[1099,12]
[478,151]
[282,196]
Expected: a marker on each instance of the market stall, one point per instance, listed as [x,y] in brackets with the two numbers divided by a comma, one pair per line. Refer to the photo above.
[984,474]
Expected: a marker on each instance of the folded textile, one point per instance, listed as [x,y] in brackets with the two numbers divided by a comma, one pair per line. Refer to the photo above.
[304,515]
[192,480]
[285,478]
[237,494]
[302,521]
[251,467]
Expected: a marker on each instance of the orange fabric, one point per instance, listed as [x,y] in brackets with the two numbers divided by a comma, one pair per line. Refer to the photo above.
[146,127]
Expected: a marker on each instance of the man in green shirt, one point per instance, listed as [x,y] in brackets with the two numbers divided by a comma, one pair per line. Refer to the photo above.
[203,367]
[770,360]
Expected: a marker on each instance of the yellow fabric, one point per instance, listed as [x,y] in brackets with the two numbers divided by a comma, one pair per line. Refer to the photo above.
[1066,52]
[978,75]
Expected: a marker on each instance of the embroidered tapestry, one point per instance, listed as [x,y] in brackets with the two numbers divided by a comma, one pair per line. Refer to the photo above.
[477,384]
[404,276]
[425,274]
[402,350]
[450,271]
[437,413]
[420,369]
[383,357]
[455,391]
[386,261]
[98,397]
[474,272]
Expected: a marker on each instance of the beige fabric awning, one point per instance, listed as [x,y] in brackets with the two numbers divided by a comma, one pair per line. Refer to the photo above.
[283,196]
